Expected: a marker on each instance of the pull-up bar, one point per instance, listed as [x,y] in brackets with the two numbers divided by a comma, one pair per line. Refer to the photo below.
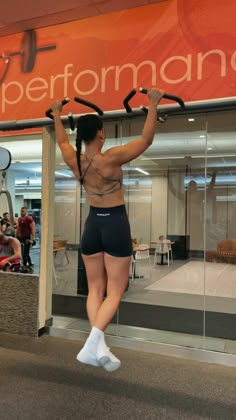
[171,110]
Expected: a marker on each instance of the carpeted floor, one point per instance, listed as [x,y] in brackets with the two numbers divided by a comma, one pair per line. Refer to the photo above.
[197,278]
[40,379]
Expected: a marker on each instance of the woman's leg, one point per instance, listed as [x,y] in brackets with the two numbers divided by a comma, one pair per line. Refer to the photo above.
[117,269]
[101,312]
[97,283]
[117,277]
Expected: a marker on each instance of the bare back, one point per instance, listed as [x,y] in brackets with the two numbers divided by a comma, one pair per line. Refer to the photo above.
[102,171]
[101,176]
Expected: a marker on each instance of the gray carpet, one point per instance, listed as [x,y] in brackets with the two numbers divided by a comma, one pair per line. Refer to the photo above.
[40,379]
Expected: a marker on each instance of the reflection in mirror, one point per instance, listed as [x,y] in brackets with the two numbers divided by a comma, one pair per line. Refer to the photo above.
[220,287]
[10,253]
[23,185]
[66,228]
[167,185]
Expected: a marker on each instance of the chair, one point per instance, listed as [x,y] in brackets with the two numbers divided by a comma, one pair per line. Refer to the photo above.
[170,250]
[141,253]
[225,253]
[163,248]
[132,268]
[59,246]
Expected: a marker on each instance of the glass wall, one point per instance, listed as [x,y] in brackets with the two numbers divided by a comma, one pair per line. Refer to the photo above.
[220,230]
[180,192]
[167,301]
[23,181]
[66,229]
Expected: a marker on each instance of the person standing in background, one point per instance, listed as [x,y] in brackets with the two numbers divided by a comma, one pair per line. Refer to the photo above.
[26,234]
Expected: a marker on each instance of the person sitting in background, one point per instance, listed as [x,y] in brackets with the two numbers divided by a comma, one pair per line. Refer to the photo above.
[6,226]
[162,238]
[10,251]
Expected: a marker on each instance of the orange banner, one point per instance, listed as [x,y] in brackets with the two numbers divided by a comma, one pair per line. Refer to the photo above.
[186,47]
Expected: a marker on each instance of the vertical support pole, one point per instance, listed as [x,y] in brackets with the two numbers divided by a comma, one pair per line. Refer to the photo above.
[47,226]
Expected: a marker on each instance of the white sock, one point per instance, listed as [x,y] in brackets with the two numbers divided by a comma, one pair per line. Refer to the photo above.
[88,354]
[95,334]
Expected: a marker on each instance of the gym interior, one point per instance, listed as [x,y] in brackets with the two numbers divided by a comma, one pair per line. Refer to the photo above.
[183,187]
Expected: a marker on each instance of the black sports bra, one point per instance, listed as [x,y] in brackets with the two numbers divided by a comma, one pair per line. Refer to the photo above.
[115,187]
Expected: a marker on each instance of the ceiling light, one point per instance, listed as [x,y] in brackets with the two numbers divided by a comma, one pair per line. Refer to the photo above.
[202,137]
[209,148]
[164,158]
[191,119]
[211,156]
[142,171]
[27,161]
[63,174]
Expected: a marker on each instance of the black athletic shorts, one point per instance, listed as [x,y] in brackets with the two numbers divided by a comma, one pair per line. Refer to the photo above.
[107,230]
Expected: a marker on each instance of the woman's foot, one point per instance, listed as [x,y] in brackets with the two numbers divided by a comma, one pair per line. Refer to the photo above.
[107,360]
[88,354]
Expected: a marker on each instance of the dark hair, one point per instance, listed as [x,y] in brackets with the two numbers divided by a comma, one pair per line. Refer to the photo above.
[4,214]
[87,128]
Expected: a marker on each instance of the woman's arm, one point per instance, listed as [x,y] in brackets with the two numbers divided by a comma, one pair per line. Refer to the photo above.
[68,152]
[128,152]
[32,230]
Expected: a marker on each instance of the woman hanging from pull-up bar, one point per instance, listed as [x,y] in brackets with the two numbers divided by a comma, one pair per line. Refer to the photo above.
[106,241]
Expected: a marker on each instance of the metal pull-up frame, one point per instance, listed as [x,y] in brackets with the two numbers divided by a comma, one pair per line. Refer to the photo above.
[164,111]
[5,162]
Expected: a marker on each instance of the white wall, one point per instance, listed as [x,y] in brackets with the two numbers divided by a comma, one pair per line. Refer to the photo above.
[67,214]
[159,207]
[138,197]
[176,204]
[19,202]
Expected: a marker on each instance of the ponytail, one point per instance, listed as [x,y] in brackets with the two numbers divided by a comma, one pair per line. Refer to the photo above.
[87,128]
[78,153]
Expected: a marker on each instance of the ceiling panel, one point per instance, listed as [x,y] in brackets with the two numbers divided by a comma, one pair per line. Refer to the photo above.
[108,6]
[40,13]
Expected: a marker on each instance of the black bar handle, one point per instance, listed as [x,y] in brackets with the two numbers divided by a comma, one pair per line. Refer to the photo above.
[160,118]
[48,113]
[89,104]
[144,109]
[127,99]
[168,96]
[71,121]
